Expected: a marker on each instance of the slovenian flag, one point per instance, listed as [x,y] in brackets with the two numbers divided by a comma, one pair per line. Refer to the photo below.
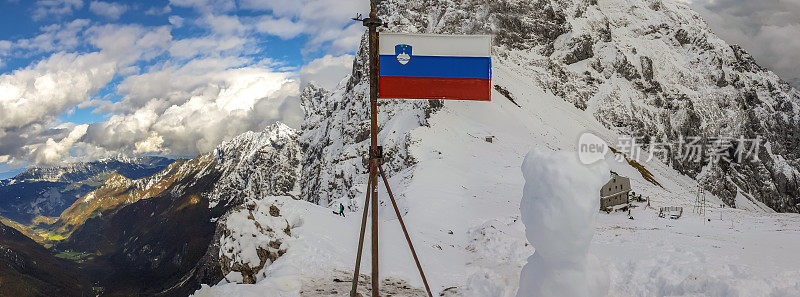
[415,66]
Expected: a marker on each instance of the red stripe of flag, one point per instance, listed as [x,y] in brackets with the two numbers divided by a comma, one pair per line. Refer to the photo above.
[434,88]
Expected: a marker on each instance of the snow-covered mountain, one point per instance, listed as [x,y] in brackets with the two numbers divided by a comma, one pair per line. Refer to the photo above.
[653,69]
[47,191]
[649,69]
[615,68]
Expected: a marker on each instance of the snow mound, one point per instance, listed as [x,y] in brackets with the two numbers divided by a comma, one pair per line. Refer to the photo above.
[559,206]
[254,236]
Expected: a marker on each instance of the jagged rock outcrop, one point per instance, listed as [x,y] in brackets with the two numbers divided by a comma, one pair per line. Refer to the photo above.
[257,164]
[254,235]
[335,137]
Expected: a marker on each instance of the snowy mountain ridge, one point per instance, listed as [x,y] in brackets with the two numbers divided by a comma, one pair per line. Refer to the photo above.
[76,172]
[47,191]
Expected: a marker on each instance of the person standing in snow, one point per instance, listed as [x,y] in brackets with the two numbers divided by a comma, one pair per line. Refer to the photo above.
[341,210]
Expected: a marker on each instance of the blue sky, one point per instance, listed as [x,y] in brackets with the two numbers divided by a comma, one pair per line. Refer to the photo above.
[87,79]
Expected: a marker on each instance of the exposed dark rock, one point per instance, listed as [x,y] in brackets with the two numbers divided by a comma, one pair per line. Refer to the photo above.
[626,69]
[647,67]
[682,36]
[581,49]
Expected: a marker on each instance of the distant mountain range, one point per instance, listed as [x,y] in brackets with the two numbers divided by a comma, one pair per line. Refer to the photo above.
[47,191]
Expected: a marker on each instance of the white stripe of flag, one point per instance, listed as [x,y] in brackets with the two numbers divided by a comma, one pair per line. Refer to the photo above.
[438,45]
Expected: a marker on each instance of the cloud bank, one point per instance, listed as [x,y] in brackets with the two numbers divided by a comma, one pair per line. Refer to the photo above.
[161,93]
[768,30]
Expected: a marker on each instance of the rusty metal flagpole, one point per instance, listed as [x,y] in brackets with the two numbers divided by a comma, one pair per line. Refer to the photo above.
[375,154]
[373,22]
[375,159]
[361,242]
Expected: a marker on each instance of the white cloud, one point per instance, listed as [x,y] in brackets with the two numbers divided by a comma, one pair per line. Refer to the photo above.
[207,46]
[5,47]
[38,93]
[52,152]
[206,5]
[176,21]
[55,8]
[201,104]
[325,21]
[56,37]
[107,9]
[152,144]
[327,71]
[346,40]
[224,24]
[129,43]
[158,10]
[32,97]
[284,27]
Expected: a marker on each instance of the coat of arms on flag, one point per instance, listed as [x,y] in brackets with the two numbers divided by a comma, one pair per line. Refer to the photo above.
[402,53]
[445,66]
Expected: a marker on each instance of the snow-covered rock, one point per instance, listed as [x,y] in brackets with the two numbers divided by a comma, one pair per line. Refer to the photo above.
[335,136]
[254,167]
[254,236]
[257,164]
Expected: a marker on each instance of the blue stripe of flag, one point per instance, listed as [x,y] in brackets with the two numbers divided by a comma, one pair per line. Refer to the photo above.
[437,66]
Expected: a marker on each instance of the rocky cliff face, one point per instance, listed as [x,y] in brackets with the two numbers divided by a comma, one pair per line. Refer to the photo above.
[655,70]
[335,137]
[649,69]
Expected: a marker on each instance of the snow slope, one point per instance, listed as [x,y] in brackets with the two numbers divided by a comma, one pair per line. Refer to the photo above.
[461,204]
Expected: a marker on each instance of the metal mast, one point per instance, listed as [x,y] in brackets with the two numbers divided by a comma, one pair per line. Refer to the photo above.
[375,154]
[375,159]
